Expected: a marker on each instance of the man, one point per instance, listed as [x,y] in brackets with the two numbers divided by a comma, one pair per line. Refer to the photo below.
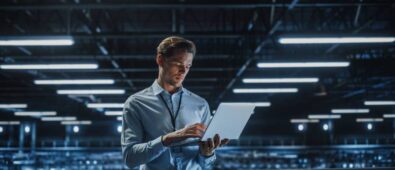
[159,121]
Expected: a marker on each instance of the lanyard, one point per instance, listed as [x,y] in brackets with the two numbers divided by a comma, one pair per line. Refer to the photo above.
[173,116]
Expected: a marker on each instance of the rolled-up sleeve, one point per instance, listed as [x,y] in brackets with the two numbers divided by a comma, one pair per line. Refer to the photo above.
[135,151]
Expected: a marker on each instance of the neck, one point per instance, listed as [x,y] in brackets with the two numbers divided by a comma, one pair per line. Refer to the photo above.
[168,87]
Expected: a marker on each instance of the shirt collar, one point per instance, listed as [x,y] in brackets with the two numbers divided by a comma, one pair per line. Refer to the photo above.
[157,89]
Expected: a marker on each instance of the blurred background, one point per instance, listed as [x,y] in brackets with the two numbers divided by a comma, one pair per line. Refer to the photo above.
[320,72]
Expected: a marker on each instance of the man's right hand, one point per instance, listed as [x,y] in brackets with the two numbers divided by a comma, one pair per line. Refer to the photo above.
[191,131]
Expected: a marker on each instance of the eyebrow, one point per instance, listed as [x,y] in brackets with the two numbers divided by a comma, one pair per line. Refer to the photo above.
[177,61]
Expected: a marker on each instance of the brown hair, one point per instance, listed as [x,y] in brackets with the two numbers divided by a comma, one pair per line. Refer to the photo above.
[170,45]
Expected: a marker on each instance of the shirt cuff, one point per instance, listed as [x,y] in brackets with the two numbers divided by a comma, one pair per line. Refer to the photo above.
[157,145]
[206,160]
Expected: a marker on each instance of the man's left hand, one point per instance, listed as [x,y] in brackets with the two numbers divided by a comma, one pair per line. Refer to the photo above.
[208,147]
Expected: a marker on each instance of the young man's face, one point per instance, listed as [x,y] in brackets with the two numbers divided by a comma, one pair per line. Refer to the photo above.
[176,68]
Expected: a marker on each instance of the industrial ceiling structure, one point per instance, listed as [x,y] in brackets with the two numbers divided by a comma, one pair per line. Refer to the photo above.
[242,46]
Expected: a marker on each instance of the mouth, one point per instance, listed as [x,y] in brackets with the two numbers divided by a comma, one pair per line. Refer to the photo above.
[179,77]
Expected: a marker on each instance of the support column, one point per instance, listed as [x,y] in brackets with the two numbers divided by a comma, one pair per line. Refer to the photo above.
[33,137]
[67,136]
[21,136]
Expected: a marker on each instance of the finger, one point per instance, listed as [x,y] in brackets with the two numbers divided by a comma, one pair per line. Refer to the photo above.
[224,142]
[210,143]
[199,129]
[195,132]
[195,127]
[200,126]
[192,134]
[201,144]
[216,140]
[197,124]
[191,126]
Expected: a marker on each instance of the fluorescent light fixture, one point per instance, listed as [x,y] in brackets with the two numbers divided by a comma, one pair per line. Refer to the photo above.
[13,106]
[280,80]
[350,111]
[304,120]
[92,91]
[257,104]
[73,82]
[105,105]
[269,90]
[389,115]
[335,40]
[369,119]
[58,118]
[119,118]
[379,103]
[14,122]
[84,122]
[50,113]
[47,66]
[38,41]
[9,122]
[291,156]
[324,116]
[303,64]
[113,113]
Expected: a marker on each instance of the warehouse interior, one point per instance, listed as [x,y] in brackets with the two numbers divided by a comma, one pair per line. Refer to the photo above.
[327,103]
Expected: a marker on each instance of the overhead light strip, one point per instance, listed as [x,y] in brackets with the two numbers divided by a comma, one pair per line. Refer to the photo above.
[74,82]
[47,66]
[345,111]
[379,103]
[369,119]
[335,40]
[113,113]
[304,120]
[257,104]
[324,116]
[10,122]
[303,64]
[268,90]
[389,115]
[58,118]
[13,106]
[280,80]
[92,91]
[84,122]
[105,105]
[34,113]
[38,41]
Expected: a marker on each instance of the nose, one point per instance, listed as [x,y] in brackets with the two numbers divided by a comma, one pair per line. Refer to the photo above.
[182,69]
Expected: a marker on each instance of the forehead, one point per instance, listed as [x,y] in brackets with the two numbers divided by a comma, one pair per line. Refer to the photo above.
[181,56]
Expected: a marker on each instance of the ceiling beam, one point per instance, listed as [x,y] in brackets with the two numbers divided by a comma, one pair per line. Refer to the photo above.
[105,57]
[182,6]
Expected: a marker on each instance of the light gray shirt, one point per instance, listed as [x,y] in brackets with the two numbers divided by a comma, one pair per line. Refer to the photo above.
[146,119]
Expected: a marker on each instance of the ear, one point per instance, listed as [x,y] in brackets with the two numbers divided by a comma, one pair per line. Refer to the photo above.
[159,60]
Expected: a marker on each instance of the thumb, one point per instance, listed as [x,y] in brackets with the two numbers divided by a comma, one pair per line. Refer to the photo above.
[201,143]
